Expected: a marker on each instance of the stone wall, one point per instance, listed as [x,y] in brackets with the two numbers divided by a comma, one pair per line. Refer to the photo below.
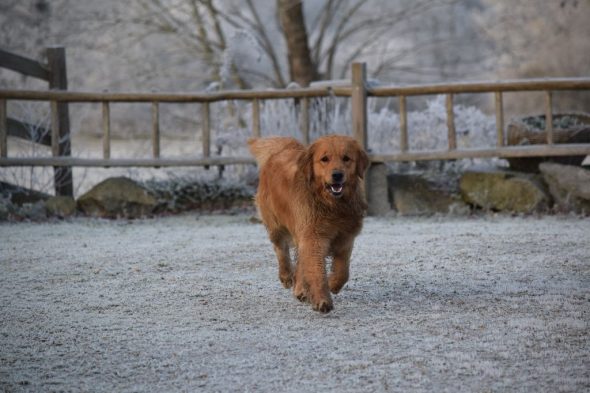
[557,189]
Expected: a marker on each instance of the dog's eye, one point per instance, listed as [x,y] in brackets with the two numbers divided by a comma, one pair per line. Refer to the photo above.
[345,158]
[324,159]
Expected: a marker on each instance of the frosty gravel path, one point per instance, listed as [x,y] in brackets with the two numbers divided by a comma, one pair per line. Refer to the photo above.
[193,304]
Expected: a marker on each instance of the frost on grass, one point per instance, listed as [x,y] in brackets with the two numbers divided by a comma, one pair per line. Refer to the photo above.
[185,193]
[427,128]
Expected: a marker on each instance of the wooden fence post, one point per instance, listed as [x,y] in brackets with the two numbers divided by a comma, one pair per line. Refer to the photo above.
[305,121]
[206,131]
[106,130]
[499,104]
[155,129]
[359,103]
[403,124]
[376,179]
[549,117]
[256,118]
[58,80]
[451,134]
[3,130]
[55,131]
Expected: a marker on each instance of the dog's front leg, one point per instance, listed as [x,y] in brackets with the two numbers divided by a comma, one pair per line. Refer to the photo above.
[342,249]
[311,281]
[281,246]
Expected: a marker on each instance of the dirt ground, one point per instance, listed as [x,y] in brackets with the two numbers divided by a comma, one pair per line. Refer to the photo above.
[193,303]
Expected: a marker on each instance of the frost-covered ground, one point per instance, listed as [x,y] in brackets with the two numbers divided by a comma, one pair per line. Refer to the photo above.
[192,303]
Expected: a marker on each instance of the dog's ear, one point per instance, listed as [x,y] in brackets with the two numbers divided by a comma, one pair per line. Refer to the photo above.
[362,162]
[305,163]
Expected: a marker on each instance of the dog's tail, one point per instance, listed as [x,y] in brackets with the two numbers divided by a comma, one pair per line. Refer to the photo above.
[263,148]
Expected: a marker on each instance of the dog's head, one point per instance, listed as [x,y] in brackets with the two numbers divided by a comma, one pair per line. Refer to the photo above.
[334,165]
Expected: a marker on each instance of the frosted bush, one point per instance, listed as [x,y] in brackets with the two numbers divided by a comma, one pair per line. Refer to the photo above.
[277,117]
[427,129]
[37,122]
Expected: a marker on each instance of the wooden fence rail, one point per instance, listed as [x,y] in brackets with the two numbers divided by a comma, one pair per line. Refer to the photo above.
[358,92]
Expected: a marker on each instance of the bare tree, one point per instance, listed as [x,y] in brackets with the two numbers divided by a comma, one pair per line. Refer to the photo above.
[301,68]
[237,42]
[180,44]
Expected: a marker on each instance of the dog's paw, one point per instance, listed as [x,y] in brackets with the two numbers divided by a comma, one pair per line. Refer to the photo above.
[302,297]
[299,288]
[286,280]
[335,284]
[321,301]
[324,306]
[300,293]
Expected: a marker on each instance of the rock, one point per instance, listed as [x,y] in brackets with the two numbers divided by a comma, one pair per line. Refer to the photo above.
[569,186]
[19,203]
[377,195]
[117,197]
[414,195]
[5,208]
[60,206]
[20,195]
[32,211]
[504,191]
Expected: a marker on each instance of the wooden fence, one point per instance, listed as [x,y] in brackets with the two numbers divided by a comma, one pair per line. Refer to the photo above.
[358,91]
[54,72]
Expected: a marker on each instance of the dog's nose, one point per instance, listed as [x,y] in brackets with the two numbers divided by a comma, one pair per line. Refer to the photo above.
[337,176]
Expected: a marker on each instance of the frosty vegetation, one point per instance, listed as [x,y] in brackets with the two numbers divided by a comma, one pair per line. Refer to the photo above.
[427,128]
[37,120]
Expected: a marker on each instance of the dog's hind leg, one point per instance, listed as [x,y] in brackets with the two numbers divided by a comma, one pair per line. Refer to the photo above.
[280,241]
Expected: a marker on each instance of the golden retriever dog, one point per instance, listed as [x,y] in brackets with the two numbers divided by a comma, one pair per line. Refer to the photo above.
[311,198]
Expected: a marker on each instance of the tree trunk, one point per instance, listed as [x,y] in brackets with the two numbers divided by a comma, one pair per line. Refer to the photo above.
[301,68]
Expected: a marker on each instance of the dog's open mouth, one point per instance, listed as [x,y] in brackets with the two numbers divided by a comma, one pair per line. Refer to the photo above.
[335,189]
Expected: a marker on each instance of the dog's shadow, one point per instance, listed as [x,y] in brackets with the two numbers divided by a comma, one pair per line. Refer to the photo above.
[374,293]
